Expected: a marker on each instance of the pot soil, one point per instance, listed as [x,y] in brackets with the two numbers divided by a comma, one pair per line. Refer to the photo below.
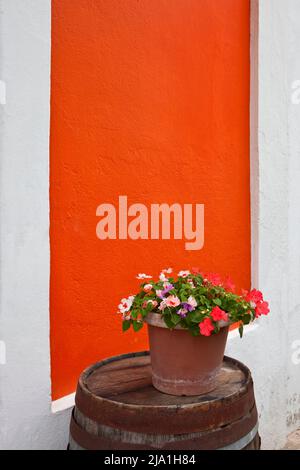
[183,364]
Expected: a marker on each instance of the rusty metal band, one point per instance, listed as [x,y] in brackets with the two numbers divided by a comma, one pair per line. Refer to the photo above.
[108,438]
[243,442]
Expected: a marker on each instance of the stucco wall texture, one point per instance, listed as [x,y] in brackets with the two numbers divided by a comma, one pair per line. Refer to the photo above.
[270,349]
[149,99]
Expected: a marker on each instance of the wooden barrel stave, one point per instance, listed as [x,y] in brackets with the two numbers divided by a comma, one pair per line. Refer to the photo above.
[117,408]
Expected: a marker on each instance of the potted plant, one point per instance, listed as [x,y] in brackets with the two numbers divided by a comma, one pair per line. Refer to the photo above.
[188,318]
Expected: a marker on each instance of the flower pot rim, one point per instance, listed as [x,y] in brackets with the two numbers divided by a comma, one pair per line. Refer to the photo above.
[156,319]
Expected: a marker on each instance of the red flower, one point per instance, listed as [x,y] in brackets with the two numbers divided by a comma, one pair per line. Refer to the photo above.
[228,284]
[196,271]
[262,308]
[254,296]
[244,293]
[218,314]
[206,327]
[214,279]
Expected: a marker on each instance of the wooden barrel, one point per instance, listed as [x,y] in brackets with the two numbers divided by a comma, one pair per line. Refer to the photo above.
[117,408]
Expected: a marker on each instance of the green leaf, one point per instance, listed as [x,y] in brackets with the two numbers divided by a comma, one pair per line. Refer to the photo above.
[184,323]
[246,319]
[182,296]
[196,317]
[217,301]
[201,290]
[134,314]
[175,318]
[126,325]
[195,332]
[168,321]
[241,330]
[137,325]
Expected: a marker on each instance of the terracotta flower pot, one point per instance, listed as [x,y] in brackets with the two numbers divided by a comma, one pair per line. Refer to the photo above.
[183,364]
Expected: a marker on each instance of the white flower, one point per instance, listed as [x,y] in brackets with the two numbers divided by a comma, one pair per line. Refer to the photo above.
[143,276]
[167,270]
[147,287]
[192,301]
[183,273]
[126,304]
[162,277]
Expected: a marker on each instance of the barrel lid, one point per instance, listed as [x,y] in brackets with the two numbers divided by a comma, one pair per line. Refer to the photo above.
[118,392]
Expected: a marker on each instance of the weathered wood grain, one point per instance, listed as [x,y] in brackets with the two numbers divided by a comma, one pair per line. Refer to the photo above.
[117,407]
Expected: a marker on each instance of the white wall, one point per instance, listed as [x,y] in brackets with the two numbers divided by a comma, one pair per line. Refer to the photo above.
[293,107]
[275,194]
[25,416]
[26,420]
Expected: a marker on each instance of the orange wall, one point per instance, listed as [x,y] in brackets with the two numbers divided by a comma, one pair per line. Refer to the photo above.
[150,99]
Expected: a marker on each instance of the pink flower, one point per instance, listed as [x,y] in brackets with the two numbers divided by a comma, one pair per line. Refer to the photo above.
[162,305]
[183,273]
[206,327]
[172,301]
[143,276]
[254,296]
[147,287]
[218,314]
[262,308]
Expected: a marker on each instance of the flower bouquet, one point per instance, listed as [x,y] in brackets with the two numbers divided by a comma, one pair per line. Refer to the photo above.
[188,317]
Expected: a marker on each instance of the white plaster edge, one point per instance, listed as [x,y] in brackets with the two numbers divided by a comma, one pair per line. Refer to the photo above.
[63,403]
[253,130]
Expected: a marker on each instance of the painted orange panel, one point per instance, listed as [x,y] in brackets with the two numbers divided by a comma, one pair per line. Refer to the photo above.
[150,99]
